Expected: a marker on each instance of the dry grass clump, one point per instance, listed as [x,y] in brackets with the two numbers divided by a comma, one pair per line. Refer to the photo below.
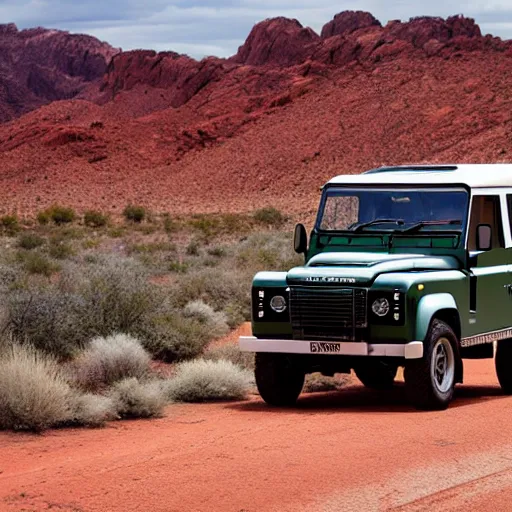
[108,360]
[138,399]
[206,381]
[34,395]
[230,352]
[206,315]
[318,383]
[92,410]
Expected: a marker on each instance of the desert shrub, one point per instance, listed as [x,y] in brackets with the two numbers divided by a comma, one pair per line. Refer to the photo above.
[206,315]
[37,263]
[204,381]
[173,337]
[178,267]
[230,352]
[270,216]
[318,383]
[267,251]
[108,360]
[137,399]
[59,215]
[193,248]
[170,225]
[10,224]
[95,219]
[30,241]
[217,252]
[43,217]
[60,249]
[117,294]
[91,410]
[134,213]
[53,321]
[34,395]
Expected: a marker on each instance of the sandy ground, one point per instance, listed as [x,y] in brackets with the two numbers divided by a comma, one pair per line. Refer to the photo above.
[341,451]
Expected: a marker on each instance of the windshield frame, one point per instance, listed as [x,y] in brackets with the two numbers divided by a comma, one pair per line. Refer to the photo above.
[392,229]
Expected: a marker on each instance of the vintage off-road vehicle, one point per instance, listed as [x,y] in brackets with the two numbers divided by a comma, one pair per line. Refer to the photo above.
[405,267]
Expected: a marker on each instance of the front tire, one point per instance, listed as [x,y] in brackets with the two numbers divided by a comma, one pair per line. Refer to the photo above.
[430,381]
[278,380]
[503,364]
[376,374]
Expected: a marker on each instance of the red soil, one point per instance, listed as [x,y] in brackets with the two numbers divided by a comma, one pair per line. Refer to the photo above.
[268,126]
[348,450]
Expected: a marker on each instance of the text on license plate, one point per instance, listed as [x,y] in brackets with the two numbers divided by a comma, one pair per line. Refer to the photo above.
[319,347]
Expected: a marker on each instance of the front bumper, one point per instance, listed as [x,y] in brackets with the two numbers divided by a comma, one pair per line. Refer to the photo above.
[412,350]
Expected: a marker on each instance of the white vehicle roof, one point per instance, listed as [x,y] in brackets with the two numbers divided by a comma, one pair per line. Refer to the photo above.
[471,175]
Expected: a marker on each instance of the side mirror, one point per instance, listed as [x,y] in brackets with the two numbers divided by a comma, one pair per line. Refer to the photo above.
[300,239]
[483,237]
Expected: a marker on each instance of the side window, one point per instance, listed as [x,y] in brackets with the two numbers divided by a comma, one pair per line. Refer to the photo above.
[509,204]
[486,210]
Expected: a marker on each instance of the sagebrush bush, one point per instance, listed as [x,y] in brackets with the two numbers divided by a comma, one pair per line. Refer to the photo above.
[109,360]
[270,216]
[134,213]
[58,214]
[60,250]
[53,321]
[34,395]
[139,399]
[117,294]
[30,241]
[91,410]
[37,263]
[230,352]
[10,224]
[205,314]
[173,337]
[95,219]
[204,381]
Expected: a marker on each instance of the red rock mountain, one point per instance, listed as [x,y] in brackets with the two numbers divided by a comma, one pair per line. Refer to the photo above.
[38,66]
[267,126]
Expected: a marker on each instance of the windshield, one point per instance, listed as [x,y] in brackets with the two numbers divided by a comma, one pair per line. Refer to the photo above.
[363,209]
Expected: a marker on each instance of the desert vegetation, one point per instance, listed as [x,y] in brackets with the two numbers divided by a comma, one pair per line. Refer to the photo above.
[104,319]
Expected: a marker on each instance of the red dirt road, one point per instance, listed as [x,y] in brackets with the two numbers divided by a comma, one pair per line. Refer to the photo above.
[350,450]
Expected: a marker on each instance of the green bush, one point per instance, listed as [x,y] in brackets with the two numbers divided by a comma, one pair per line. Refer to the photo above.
[269,216]
[58,214]
[52,320]
[37,263]
[33,393]
[10,224]
[134,213]
[30,241]
[136,399]
[95,219]
[206,381]
[60,250]
[109,360]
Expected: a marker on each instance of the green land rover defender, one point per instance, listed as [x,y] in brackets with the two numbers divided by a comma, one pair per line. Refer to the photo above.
[405,267]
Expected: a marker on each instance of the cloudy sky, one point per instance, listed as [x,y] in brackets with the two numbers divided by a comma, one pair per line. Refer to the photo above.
[218,27]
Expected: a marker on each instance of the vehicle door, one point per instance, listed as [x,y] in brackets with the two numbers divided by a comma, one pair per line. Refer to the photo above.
[490,285]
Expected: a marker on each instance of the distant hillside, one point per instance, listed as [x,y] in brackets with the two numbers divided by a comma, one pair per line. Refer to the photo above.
[267,126]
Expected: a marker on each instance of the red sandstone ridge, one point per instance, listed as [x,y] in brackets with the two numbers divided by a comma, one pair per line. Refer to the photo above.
[38,66]
[265,127]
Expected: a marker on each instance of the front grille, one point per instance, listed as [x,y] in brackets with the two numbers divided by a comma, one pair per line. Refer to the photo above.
[326,313]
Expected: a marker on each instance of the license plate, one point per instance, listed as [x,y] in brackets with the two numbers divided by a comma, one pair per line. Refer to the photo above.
[319,347]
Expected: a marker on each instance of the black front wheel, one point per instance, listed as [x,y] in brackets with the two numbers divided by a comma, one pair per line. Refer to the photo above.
[279,381]
[430,381]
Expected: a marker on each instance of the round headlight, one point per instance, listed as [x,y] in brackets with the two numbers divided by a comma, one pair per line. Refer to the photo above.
[278,304]
[381,307]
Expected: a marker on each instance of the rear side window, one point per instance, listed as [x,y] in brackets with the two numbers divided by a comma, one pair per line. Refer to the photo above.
[509,204]
[486,210]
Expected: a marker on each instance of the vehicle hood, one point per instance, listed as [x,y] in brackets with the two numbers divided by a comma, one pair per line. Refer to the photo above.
[363,268]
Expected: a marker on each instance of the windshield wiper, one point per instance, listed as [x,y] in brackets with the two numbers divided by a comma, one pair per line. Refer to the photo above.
[425,223]
[358,227]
